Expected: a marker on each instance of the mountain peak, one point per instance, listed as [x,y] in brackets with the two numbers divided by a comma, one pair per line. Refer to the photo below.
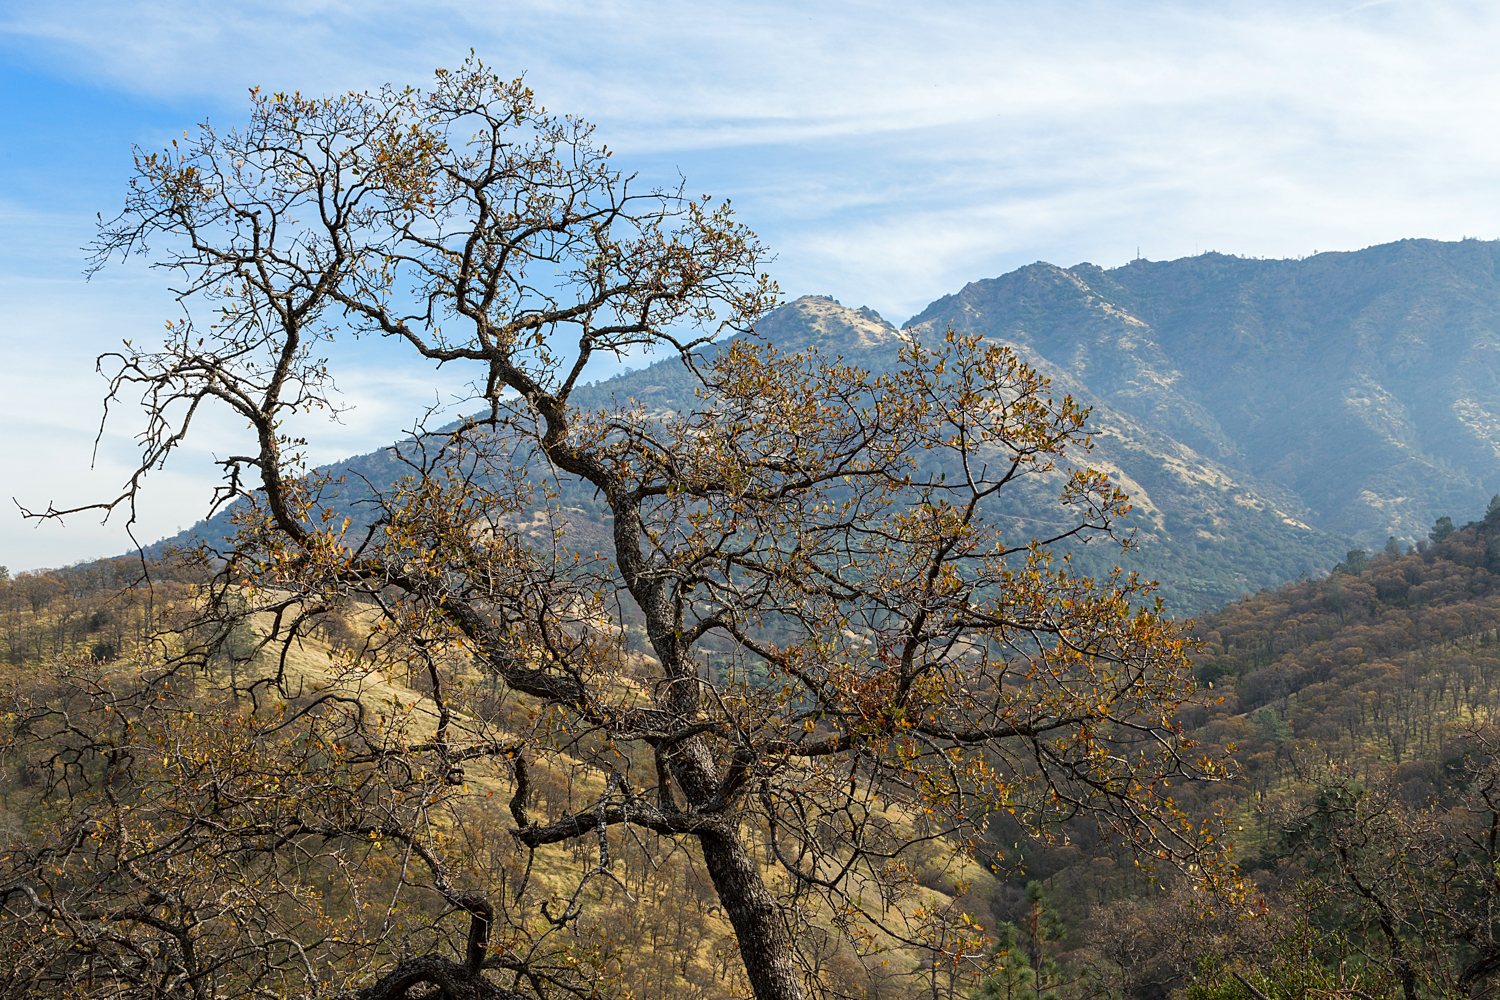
[823,322]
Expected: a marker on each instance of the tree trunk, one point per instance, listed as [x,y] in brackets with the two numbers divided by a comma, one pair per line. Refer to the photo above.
[764,945]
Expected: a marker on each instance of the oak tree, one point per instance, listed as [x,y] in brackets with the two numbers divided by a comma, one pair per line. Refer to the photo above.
[1410,876]
[800,649]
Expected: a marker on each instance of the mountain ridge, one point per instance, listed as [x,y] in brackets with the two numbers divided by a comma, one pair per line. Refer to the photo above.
[1265,415]
[1393,347]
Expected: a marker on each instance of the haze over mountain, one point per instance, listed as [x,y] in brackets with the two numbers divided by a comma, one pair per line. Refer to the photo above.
[1265,415]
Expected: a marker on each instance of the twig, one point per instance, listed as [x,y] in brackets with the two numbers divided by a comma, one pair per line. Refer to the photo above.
[1257,994]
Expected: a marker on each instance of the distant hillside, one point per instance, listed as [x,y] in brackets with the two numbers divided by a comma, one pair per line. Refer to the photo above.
[1314,651]
[1377,666]
[1265,415]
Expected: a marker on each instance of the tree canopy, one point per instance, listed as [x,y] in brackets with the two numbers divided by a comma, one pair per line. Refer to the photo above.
[799,656]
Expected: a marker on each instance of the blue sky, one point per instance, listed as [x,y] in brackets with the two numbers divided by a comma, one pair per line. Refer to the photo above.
[888,152]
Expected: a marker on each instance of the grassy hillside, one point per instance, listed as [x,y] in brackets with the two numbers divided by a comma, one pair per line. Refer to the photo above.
[650,927]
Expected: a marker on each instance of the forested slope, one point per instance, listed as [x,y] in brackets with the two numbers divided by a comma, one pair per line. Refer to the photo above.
[1378,653]
[1361,709]
[652,927]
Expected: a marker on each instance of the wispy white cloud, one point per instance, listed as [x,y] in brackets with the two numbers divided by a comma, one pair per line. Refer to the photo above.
[684,74]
